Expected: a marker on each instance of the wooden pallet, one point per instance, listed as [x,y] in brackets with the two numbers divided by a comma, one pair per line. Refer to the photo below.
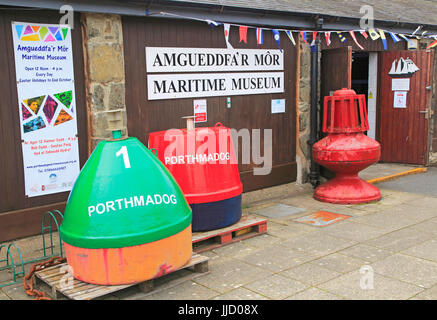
[57,279]
[247,227]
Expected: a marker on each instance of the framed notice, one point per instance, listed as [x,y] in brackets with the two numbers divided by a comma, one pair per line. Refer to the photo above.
[200,111]
[400,99]
[46,106]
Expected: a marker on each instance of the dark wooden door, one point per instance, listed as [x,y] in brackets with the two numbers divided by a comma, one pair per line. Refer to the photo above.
[336,73]
[404,127]
[336,70]
[20,216]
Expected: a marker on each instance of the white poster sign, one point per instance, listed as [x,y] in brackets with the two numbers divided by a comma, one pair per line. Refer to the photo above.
[46,106]
[400,99]
[212,59]
[278,106]
[172,86]
[200,111]
[400,84]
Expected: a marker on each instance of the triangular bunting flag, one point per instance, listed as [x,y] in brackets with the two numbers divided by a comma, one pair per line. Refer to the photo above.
[226,31]
[259,36]
[304,36]
[328,38]
[341,37]
[35,28]
[394,37]
[355,40]
[243,34]
[277,38]
[313,42]
[373,34]
[290,36]
[211,23]
[383,39]
[432,44]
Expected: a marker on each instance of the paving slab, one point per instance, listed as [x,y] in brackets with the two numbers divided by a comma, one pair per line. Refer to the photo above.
[276,287]
[277,258]
[408,269]
[339,263]
[421,183]
[310,273]
[384,288]
[314,294]
[16,292]
[386,220]
[266,239]
[3,296]
[379,170]
[428,294]
[318,243]
[287,230]
[241,293]
[278,211]
[426,250]
[353,231]
[237,249]
[399,240]
[366,253]
[231,274]
[188,290]
[428,226]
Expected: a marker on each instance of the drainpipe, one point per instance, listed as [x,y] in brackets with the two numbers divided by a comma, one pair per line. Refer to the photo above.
[314,175]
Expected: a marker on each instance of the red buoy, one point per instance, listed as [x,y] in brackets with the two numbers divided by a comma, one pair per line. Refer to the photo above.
[203,162]
[346,150]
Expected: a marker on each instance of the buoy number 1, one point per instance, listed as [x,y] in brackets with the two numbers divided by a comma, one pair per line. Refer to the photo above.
[123,151]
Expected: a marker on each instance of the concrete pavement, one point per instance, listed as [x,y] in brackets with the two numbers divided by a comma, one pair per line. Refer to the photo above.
[385,250]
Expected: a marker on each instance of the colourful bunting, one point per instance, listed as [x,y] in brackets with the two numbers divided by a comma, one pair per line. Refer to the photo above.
[290,36]
[394,37]
[227,28]
[373,34]
[277,38]
[304,36]
[355,39]
[383,39]
[243,34]
[328,38]
[364,34]
[341,37]
[259,36]
[432,44]
[212,23]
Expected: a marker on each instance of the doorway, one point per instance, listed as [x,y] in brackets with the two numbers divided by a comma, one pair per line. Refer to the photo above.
[365,81]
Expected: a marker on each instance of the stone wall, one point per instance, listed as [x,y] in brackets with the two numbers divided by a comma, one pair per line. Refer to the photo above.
[104,66]
[303,149]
